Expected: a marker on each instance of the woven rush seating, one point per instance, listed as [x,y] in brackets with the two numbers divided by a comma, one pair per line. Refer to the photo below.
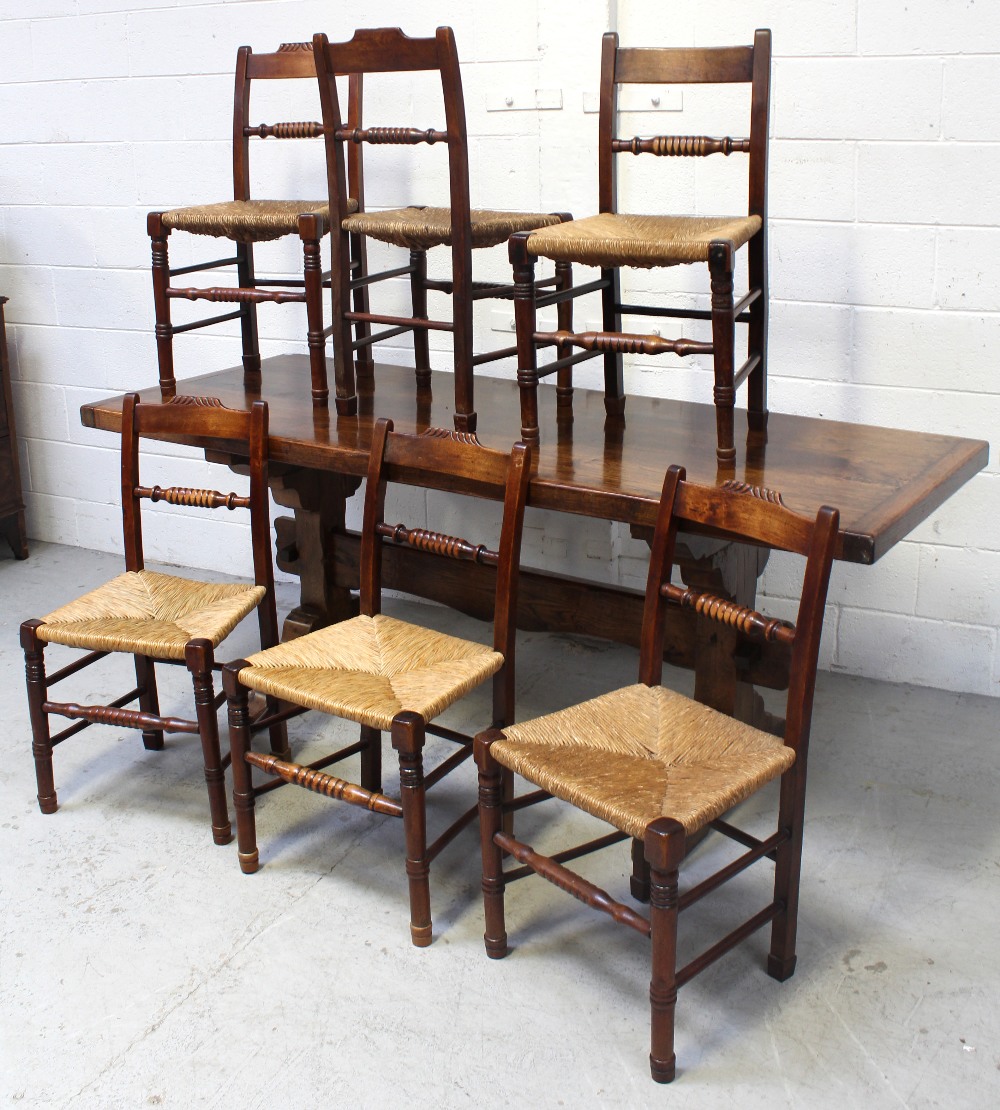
[151,614]
[643,752]
[419,229]
[160,618]
[368,669]
[621,239]
[245,221]
[385,674]
[613,239]
[369,54]
[661,768]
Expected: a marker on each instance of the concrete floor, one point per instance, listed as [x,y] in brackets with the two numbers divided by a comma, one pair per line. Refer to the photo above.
[139,967]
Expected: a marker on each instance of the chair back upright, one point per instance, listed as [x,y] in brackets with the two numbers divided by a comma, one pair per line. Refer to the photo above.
[685,66]
[457,462]
[291,61]
[189,419]
[388,50]
[757,516]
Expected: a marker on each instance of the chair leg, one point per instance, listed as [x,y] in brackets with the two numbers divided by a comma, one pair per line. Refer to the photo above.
[310,233]
[364,356]
[757,336]
[248,317]
[408,740]
[787,869]
[199,657]
[664,849]
[720,265]
[164,331]
[524,323]
[371,759]
[614,379]
[41,743]
[340,301]
[421,337]
[639,881]
[238,701]
[490,822]
[149,702]
[564,322]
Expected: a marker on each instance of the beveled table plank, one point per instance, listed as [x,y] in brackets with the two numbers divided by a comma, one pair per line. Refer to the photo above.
[884,481]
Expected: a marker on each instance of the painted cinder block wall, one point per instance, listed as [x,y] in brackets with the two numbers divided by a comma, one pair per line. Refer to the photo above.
[884,190]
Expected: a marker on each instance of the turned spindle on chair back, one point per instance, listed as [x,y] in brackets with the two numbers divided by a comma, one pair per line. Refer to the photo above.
[189,418]
[758,516]
[457,462]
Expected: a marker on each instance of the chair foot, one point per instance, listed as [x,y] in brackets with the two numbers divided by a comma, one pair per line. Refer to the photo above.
[465,422]
[614,406]
[249,862]
[152,741]
[222,834]
[663,1071]
[421,935]
[347,406]
[780,969]
[47,803]
[496,947]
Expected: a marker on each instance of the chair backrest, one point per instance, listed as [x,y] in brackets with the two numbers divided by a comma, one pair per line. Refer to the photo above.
[388,50]
[189,419]
[454,461]
[291,61]
[685,66]
[757,516]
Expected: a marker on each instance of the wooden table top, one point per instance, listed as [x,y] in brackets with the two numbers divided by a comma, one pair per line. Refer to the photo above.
[883,481]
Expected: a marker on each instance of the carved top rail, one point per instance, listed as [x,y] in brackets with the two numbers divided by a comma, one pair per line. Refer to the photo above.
[198,498]
[762,493]
[748,621]
[306,129]
[438,543]
[405,136]
[681,146]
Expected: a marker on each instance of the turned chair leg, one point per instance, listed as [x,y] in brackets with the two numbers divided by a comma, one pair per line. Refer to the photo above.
[158,235]
[720,265]
[787,869]
[310,233]
[664,848]
[149,702]
[525,326]
[490,822]
[248,317]
[238,701]
[421,337]
[757,337]
[199,656]
[371,759]
[408,740]
[639,881]
[41,743]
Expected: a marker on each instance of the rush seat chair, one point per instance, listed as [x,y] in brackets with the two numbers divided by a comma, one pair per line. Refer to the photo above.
[614,239]
[385,674]
[245,221]
[660,767]
[416,228]
[160,618]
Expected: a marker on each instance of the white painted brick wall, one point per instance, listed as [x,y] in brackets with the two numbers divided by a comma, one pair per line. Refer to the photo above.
[884,190]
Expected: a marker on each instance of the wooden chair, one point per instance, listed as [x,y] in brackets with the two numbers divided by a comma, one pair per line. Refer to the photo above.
[386,674]
[246,221]
[160,618]
[417,229]
[615,239]
[660,767]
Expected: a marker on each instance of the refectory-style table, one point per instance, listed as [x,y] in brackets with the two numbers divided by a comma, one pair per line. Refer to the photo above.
[883,481]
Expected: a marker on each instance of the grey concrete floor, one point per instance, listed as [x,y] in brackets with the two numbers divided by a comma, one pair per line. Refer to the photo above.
[139,967]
